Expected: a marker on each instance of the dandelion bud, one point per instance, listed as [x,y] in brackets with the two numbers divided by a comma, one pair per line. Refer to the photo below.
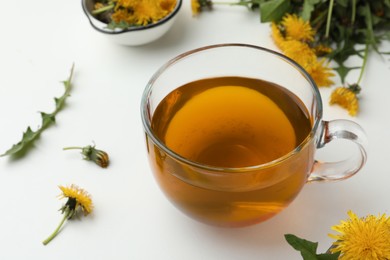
[98,156]
[90,153]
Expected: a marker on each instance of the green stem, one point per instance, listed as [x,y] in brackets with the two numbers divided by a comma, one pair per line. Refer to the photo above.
[317,21]
[364,63]
[54,234]
[72,148]
[353,11]
[103,9]
[329,18]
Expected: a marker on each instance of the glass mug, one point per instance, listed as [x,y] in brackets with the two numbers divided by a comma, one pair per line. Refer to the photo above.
[232,130]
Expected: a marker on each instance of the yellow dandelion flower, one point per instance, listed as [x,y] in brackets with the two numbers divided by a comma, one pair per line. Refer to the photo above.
[78,199]
[297,29]
[298,51]
[321,73]
[277,35]
[347,98]
[195,7]
[362,238]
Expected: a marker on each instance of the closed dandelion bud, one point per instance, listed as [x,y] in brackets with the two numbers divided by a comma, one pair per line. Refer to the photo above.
[98,156]
[90,153]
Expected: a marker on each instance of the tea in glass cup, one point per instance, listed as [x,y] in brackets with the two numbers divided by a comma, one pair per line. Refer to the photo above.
[231,132]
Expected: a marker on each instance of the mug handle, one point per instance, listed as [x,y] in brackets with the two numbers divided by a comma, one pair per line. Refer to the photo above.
[340,170]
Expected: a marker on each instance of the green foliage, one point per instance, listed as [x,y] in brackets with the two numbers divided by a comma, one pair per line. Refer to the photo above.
[308,249]
[273,10]
[353,22]
[30,136]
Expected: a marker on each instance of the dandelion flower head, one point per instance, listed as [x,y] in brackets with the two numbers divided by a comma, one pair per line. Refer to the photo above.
[297,29]
[81,197]
[298,51]
[346,98]
[321,73]
[368,238]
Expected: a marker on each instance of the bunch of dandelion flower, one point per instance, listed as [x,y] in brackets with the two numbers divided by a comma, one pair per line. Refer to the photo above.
[90,153]
[78,200]
[347,97]
[296,39]
[362,238]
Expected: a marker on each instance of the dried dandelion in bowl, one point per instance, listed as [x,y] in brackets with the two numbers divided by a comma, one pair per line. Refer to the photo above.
[131,22]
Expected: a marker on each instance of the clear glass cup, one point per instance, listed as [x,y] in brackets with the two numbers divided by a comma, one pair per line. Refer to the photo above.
[242,196]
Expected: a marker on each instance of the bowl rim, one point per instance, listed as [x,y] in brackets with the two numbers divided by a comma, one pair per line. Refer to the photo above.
[165,19]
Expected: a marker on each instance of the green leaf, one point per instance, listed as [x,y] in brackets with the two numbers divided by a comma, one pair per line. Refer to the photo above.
[308,249]
[343,52]
[343,71]
[308,7]
[30,136]
[273,10]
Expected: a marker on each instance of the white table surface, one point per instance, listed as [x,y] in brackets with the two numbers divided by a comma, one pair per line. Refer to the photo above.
[132,219]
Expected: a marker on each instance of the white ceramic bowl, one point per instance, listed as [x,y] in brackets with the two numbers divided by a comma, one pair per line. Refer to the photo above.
[135,35]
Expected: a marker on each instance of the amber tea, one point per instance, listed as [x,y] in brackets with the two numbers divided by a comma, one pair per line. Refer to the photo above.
[233,122]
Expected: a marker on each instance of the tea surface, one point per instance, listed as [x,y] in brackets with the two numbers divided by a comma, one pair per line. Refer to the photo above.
[231,121]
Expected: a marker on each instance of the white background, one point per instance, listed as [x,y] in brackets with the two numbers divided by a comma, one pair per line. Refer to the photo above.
[132,219]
